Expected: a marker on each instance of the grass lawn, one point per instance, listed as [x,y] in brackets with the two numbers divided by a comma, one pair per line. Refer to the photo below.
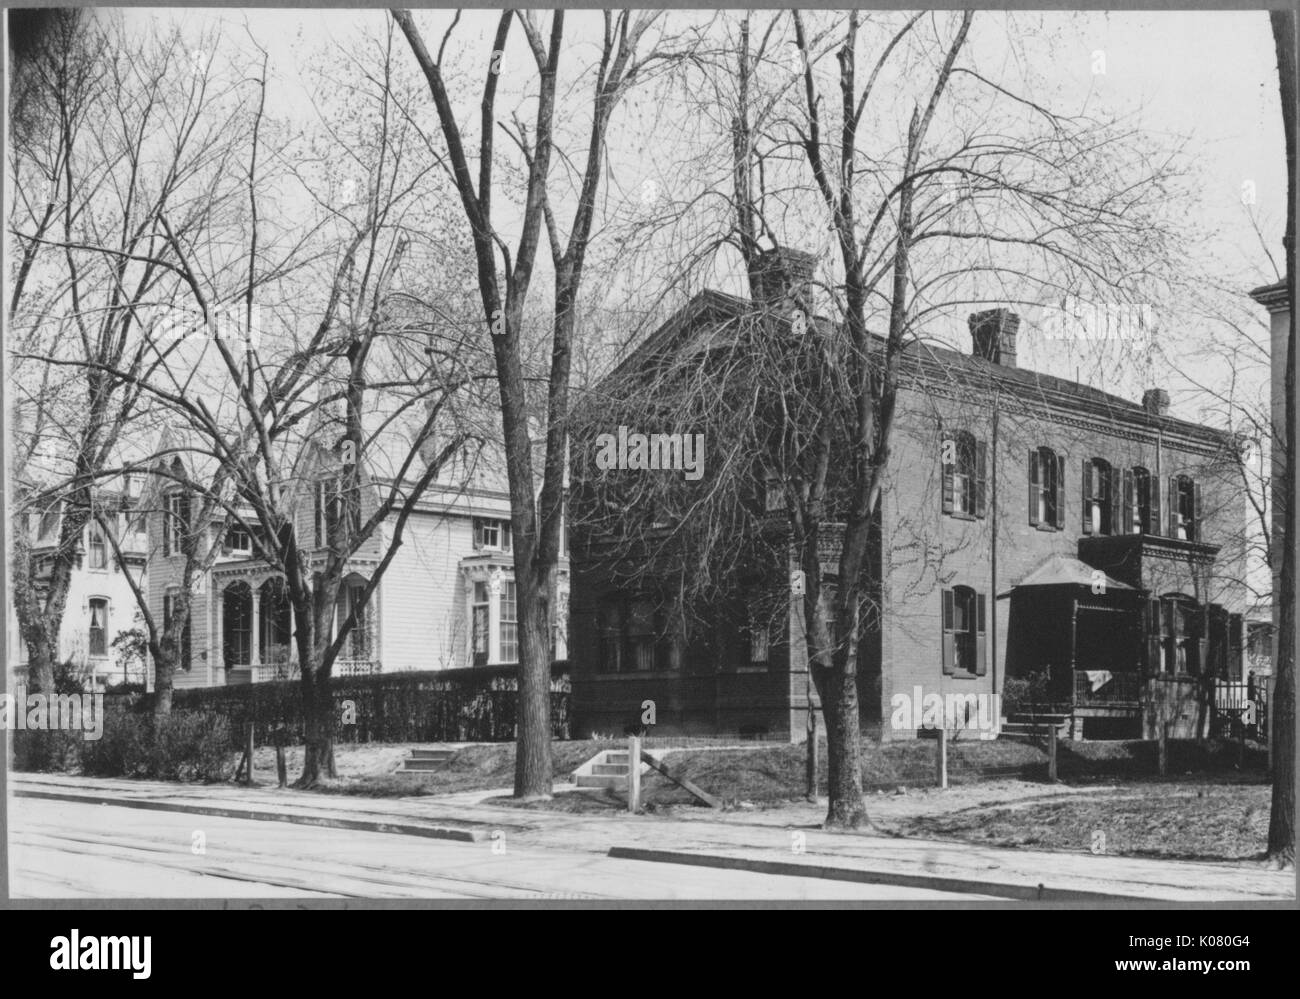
[1182,820]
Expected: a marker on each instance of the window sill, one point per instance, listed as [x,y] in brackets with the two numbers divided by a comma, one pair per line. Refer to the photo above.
[963,516]
[1047,528]
[963,675]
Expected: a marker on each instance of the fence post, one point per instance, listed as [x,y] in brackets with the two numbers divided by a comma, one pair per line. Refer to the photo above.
[1164,747]
[810,773]
[633,774]
[248,779]
[941,759]
[1051,753]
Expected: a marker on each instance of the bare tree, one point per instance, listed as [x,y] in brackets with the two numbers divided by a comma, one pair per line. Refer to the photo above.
[504,280]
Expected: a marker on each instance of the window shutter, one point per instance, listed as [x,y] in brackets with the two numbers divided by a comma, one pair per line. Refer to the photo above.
[949,653]
[981,476]
[981,642]
[318,501]
[947,466]
[1115,497]
[1173,506]
[1085,486]
[1130,501]
[1155,526]
[1154,635]
[1059,486]
[1035,487]
[1196,534]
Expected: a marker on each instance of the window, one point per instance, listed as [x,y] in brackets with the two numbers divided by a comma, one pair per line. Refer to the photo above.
[237,625]
[492,535]
[509,619]
[1099,497]
[176,520]
[1046,488]
[610,624]
[1182,633]
[96,547]
[239,540]
[963,632]
[759,640]
[274,623]
[1138,516]
[480,615]
[98,627]
[357,645]
[169,613]
[49,524]
[773,495]
[1184,508]
[964,463]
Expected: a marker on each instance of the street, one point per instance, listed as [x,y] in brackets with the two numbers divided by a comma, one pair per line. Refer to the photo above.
[72,850]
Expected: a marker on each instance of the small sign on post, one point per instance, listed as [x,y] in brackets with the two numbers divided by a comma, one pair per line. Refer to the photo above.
[633,774]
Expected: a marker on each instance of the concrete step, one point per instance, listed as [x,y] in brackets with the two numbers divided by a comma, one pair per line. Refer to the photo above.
[432,754]
[409,765]
[609,769]
[610,756]
[607,780]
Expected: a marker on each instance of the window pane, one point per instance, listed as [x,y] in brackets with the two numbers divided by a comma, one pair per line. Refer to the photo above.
[509,624]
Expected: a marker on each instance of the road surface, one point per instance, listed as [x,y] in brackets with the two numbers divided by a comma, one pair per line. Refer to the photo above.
[63,849]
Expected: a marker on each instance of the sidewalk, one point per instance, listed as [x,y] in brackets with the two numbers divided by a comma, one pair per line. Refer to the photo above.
[750,841]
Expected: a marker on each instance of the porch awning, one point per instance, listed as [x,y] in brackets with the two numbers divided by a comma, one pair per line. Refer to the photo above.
[1061,570]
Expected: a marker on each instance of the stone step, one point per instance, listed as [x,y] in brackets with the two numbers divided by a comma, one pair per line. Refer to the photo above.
[609,769]
[432,754]
[608,780]
[422,765]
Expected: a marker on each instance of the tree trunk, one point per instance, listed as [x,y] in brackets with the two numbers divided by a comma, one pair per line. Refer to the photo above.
[533,778]
[318,711]
[1281,828]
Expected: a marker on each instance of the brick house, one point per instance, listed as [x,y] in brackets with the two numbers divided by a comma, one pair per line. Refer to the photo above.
[1088,541]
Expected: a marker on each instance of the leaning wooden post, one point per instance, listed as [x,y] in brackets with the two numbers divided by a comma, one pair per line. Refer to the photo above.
[810,774]
[633,774]
[941,760]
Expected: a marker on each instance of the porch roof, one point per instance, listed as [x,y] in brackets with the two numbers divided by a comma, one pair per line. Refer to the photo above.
[1062,570]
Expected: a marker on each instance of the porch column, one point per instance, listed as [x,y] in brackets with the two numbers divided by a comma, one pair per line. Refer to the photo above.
[494,619]
[219,660]
[255,639]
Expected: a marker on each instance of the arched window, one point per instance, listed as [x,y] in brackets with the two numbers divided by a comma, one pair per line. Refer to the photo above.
[1046,488]
[357,645]
[1139,510]
[964,461]
[237,625]
[1184,508]
[96,547]
[274,623]
[963,632]
[1100,497]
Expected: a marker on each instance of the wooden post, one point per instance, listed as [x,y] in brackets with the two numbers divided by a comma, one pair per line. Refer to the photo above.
[633,774]
[249,747]
[811,758]
[1164,747]
[943,757]
[1051,753]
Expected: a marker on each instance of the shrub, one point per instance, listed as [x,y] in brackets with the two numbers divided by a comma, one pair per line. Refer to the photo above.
[40,751]
[123,750]
[192,745]
[1024,693]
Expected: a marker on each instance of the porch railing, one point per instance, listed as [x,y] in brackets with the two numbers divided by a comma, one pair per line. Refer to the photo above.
[356,667]
[270,672]
[1120,688]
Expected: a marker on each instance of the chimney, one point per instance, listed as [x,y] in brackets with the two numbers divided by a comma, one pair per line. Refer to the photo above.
[783,272]
[1155,401]
[993,335]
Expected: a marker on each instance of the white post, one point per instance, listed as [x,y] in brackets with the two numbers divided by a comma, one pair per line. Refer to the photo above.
[943,757]
[633,774]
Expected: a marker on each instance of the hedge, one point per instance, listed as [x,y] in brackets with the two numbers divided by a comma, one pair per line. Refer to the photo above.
[471,705]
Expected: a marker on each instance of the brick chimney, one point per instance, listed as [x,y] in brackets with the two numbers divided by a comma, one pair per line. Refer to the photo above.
[783,272]
[993,335]
[1155,401]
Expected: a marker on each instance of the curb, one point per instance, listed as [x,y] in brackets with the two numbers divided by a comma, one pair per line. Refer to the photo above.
[1023,893]
[462,834]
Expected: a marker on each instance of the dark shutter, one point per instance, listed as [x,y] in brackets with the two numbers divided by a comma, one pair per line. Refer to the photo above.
[1059,486]
[981,476]
[1173,506]
[1035,487]
[1130,501]
[946,447]
[1235,664]
[1085,487]
[1154,636]
[981,651]
[318,489]
[1196,534]
[949,652]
